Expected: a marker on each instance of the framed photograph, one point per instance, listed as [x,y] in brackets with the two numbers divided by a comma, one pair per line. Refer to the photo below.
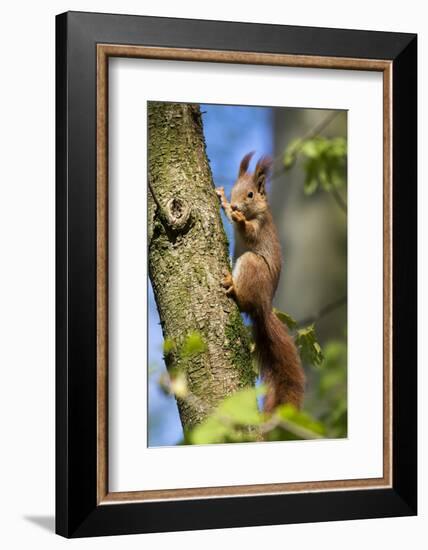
[236,274]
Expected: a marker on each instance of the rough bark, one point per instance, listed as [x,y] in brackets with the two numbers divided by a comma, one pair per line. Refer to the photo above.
[188,255]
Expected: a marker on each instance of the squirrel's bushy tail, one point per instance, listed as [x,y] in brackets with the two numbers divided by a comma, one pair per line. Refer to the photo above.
[279,361]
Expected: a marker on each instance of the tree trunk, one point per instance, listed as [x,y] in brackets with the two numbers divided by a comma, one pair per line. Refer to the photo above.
[188,255]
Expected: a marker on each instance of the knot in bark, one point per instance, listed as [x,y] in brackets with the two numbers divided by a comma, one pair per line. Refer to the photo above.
[178,214]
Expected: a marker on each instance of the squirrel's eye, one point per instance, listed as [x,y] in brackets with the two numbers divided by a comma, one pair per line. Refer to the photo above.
[250,195]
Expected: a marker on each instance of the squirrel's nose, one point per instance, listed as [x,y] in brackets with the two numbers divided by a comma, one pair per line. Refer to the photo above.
[234,207]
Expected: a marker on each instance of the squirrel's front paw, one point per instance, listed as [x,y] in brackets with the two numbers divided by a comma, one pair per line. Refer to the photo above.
[238,217]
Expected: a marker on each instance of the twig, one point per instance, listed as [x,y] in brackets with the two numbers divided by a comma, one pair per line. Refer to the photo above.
[340,201]
[323,311]
[291,427]
[166,383]
[313,132]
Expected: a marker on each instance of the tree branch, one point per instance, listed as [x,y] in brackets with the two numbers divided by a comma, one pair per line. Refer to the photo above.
[340,201]
[291,427]
[332,306]
[310,134]
[315,131]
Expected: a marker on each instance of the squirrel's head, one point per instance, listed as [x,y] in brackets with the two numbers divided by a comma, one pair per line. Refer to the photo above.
[249,191]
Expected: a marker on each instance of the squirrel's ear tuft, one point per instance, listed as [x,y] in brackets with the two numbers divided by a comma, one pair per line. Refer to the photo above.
[261,173]
[243,167]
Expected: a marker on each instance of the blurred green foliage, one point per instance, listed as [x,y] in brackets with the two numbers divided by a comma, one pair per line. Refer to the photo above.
[238,418]
[324,162]
[193,345]
[305,338]
[285,318]
[309,348]
[292,424]
[331,389]
[233,421]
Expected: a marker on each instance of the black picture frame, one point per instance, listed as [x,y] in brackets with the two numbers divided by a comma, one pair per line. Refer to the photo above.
[77,511]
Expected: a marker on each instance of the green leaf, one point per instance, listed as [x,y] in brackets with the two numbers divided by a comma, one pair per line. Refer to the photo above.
[338,147]
[325,162]
[212,430]
[309,348]
[193,344]
[311,185]
[168,346]
[300,419]
[310,148]
[241,407]
[337,177]
[311,177]
[233,421]
[331,388]
[285,318]
[324,177]
[290,153]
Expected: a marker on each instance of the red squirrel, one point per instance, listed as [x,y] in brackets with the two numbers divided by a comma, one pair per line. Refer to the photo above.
[254,280]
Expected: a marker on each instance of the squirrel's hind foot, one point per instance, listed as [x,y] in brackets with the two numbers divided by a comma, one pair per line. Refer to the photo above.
[227,283]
